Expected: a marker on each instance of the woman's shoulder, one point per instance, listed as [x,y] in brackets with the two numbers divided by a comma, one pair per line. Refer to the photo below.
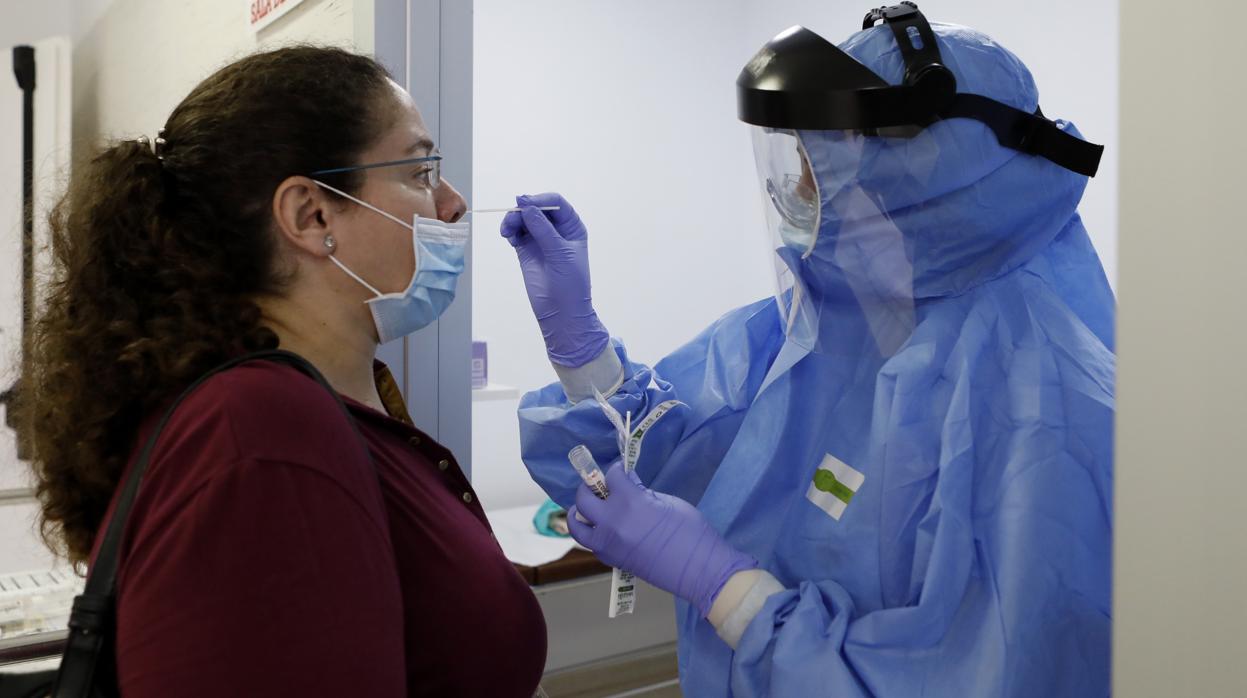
[260,412]
[254,433]
[276,409]
[262,387]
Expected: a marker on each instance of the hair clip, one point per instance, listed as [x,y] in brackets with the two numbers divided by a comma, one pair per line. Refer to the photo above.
[158,145]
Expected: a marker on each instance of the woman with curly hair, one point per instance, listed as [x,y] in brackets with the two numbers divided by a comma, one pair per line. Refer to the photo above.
[293,201]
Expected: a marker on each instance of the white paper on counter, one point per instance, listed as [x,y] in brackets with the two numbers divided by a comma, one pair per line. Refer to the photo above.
[519,538]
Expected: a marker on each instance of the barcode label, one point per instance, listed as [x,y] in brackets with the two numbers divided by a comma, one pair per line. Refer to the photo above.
[623,593]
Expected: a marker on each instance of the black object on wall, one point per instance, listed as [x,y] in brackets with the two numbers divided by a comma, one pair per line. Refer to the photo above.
[24,70]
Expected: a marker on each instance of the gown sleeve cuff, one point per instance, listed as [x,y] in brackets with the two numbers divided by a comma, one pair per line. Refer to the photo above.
[605,373]
[747,606]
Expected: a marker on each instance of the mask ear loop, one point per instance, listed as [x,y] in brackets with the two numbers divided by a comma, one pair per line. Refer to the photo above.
[355,276]
[334,259]
[365,204]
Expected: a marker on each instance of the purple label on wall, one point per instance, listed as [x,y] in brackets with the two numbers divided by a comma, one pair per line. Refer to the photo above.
[480,366]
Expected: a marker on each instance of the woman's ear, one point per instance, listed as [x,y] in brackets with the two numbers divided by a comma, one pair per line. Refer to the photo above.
[304,215]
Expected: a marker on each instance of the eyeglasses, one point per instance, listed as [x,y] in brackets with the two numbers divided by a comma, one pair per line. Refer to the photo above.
[434,172]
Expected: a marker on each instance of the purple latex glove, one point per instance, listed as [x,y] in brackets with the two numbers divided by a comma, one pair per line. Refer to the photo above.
[553,247]
[659,538]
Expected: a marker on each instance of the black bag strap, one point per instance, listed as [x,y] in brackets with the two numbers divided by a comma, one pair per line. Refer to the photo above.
[92,617]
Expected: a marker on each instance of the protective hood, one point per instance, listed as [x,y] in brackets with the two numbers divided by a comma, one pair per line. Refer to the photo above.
[903,219]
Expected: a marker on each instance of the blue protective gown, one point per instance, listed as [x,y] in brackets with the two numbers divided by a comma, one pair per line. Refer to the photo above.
[974,557]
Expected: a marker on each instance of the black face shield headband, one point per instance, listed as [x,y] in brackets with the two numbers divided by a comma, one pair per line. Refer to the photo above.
[799,80]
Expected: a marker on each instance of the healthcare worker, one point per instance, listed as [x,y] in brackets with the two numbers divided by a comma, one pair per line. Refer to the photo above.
[894,478]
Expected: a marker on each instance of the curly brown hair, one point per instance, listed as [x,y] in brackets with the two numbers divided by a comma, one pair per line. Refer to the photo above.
[158,262]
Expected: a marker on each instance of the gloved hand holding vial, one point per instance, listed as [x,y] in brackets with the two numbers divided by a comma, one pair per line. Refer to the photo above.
[623,584]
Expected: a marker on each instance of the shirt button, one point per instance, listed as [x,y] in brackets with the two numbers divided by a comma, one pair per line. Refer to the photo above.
[415,440]
[443,464]
[467,497]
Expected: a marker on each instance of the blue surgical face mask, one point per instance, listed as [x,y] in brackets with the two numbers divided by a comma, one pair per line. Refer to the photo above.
[797,206]
[439,249]
[799,239]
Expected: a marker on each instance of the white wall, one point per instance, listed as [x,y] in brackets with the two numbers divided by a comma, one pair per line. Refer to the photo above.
[40,21]
[27,24]
[141,57]
[83,15]
[1181,557]
[629,110]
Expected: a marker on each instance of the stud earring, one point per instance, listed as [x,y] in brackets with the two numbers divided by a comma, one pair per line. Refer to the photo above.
[330,243]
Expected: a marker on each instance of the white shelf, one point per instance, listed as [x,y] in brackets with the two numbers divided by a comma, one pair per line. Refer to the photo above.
[495,391]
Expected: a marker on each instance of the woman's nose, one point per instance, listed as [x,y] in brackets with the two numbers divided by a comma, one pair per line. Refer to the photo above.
[450,203]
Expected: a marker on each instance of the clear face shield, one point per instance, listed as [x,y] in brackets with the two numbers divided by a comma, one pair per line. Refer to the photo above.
[791,208]
[835,245]
[790,193]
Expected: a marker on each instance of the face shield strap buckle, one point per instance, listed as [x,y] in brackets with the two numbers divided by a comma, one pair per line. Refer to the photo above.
[936,97]
[913,36]
[931,85]
[885,13]
[1029,133]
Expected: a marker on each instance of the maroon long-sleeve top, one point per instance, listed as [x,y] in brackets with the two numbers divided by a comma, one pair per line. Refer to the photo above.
[265,556]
